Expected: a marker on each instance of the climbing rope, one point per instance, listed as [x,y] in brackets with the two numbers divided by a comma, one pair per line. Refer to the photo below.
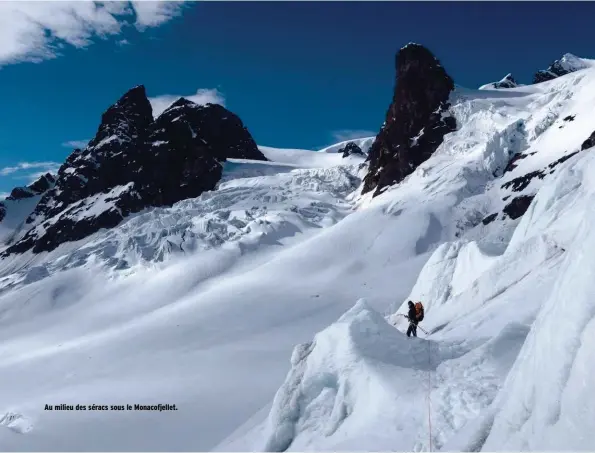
[418,326]
[429,383]
[429,393]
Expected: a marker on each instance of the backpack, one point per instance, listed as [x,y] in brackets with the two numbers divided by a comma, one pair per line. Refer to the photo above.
[419,311]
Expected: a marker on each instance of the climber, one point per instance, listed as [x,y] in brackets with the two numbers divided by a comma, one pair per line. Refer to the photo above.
[415,316]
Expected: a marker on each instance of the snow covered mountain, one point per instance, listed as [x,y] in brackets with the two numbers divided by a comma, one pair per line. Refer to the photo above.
[15,209]
[416,121]
[565,65]
[495,287]
[135,162]
[476,202]
[363,144]
[506,82]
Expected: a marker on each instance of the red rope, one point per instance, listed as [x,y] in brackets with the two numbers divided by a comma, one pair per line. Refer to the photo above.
[429,394]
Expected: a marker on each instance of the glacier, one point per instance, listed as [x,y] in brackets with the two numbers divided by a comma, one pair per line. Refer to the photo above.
[268,309]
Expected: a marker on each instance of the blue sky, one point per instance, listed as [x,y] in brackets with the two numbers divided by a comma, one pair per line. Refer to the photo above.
[300,75]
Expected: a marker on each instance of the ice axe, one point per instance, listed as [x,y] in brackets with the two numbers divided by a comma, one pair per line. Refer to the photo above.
[418,326]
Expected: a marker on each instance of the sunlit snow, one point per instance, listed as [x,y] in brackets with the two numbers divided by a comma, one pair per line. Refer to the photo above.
[267,310]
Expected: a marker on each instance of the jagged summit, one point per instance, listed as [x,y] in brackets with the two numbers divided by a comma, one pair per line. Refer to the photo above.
[351,149]
[212,126]
[570,62]
[135,94]
[410,44]
[38,187]
[417,54]
[134,162]
[181,102]
[565,65]
[507,81]
[15,208]
[133,104]
[415,122]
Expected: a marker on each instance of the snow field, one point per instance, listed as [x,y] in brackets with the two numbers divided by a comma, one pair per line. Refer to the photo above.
[201,304]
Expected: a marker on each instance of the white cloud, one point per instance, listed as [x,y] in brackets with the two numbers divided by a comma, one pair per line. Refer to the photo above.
[76,143]
[34,31]
[351,134]
[201,97]
[3,195]
[19,171]
[152,14]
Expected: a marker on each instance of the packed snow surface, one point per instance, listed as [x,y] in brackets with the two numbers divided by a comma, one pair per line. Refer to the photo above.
[268,311]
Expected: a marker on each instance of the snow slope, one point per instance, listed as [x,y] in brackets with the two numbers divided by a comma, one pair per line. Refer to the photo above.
[167,323]
[500,298]
[201,305]
[17,212]
[572,63]
[306,159]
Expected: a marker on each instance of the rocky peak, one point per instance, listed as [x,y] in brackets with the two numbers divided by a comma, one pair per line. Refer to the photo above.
[589,142]
[41,185]
[20,193]
[565,65]
[180,103]
[350,149]
[507,82]
[508,79]
[135,162]
[416,121]
[133,104]
[415,60]
[211,126]
[125,121]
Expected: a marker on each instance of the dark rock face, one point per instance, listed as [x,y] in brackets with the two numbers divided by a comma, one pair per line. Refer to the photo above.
[351,149]
[19,193]
[489,219]
[43,184]
[2,211]
[135,162]
[507,82]
[108,159]
[184,163]
[518,206]
[512,162]
[588,143]
[522,182]
[544,76]
[565,65]
[212,125]
[416,121]
[77,224]
[561,160]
